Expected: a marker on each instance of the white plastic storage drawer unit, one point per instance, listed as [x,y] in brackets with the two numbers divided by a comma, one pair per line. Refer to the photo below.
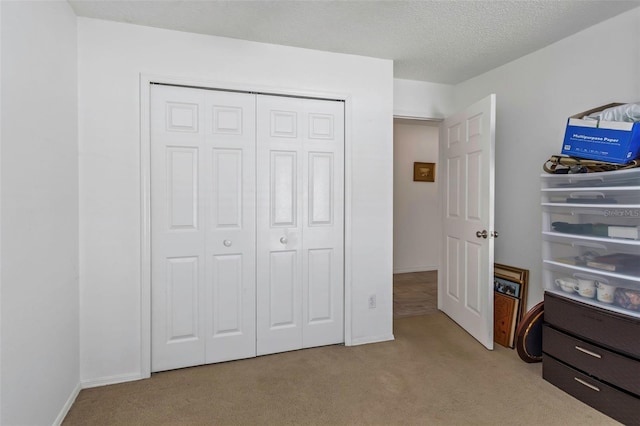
[591,277]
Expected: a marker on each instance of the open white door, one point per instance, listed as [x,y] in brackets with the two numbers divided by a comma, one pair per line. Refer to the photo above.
[465,277]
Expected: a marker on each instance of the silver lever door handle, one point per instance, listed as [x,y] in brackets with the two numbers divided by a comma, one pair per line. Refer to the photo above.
[482,234]
[284,240]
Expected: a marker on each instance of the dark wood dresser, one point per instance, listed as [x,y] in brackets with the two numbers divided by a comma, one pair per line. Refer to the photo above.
[593,354]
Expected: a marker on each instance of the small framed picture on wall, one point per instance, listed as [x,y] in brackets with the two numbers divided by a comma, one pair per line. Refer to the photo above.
[424,172]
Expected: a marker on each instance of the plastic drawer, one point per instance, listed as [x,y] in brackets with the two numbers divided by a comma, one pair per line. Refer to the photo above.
[593,252]
[590,220]
[629,177]
[605,195]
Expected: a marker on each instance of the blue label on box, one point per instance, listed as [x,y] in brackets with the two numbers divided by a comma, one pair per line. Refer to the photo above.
[614,146]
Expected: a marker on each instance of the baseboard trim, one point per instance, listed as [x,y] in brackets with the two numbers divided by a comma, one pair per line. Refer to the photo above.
[372,339]
[67,406]
[415,269]
[111,380]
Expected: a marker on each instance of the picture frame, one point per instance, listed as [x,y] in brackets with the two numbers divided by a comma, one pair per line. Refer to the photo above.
[513,282]
[505,318]
[424,172]
[507,287]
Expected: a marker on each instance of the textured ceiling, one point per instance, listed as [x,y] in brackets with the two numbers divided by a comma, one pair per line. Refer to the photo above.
[436,41]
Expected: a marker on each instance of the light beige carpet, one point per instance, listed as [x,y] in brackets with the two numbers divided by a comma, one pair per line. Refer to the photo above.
[434,373]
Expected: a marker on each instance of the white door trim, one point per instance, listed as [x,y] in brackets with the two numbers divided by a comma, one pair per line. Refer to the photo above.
[145,192]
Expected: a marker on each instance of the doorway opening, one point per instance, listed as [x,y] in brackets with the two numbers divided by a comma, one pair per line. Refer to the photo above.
[416,223]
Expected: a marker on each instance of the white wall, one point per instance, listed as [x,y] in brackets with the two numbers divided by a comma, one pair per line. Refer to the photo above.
[421,99]
[535,95]
[39,213]
[416,219]
[111,58]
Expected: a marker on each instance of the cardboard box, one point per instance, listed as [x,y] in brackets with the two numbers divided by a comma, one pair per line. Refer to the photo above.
[610,141]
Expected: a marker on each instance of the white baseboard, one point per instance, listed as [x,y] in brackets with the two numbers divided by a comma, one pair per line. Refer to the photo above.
[110,380]
[372,339]
[67,406]
[415,269]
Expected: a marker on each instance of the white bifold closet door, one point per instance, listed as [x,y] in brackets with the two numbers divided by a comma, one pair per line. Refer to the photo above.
[203,226]
[300,285]
[247,224]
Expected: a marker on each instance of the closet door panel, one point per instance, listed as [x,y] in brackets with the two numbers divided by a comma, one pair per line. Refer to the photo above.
[279,262]
[203,226]
[177,255]
[230,237]
[323,225]
[247,225]
[300,212]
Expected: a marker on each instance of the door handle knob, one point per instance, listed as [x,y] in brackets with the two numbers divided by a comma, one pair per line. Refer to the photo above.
[482,234]
[227,243]
[495,234]
[284,240]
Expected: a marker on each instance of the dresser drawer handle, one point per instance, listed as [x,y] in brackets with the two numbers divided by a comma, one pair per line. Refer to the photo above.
[588,352]
[590,386]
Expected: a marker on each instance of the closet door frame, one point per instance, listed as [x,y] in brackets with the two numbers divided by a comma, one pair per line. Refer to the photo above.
[146,80]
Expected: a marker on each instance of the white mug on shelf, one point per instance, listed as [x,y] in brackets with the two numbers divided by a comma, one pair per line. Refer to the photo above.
[567,284]
[586,287]
[605,292]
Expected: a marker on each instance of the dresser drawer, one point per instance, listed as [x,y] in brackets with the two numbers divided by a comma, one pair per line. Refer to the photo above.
[615,331]
[607,366]
[615,403]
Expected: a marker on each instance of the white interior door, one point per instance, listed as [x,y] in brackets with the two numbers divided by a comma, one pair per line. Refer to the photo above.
[202,226]
[300,223]
[465,277]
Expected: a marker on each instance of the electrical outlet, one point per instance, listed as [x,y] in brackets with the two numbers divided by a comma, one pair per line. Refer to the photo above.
[372,301]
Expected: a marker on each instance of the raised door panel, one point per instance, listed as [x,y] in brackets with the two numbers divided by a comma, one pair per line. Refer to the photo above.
[321,188]
[182,116]
[283,291]
[320,275]
[182,293]
[473,258]
[226,301]
[474,189]
[453,257]
[454,188]
[227,188]
[182,187]
[284,194]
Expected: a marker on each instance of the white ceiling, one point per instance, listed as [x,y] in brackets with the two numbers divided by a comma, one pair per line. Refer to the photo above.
[437,41]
